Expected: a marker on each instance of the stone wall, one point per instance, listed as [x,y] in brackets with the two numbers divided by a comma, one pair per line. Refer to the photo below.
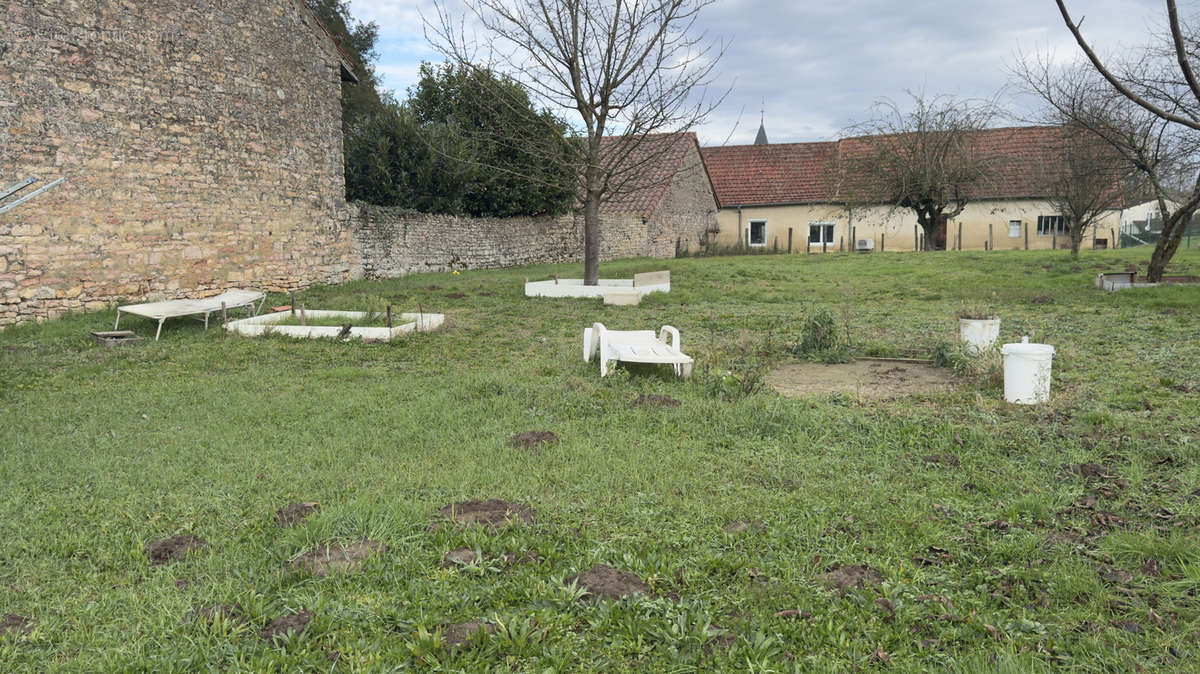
[395,242]
[687,214]
[200,139]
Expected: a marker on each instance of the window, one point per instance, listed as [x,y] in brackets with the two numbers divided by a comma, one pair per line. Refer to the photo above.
[820,232]
[1051,224]
[757,234]
[1014,229]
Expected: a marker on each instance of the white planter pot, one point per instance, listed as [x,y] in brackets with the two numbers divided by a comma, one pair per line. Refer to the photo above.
[979,333]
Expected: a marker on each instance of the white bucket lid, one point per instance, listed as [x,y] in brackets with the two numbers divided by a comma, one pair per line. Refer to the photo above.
[1024,348]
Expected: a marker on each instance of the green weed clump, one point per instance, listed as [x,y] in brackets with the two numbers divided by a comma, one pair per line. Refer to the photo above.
[823,340]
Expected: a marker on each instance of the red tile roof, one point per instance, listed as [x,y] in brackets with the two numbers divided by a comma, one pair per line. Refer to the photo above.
[788,173]
[795,173]
[647,171]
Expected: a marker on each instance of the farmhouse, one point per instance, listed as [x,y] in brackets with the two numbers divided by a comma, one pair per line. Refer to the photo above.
[200,143]
[770,194]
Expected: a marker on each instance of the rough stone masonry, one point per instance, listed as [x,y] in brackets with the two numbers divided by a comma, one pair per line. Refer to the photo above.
[200,139]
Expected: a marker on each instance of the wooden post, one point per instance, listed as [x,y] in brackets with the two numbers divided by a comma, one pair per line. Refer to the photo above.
[882,239]
[1026,237]
[303,317]
[789,239]
[389,316]
[991,241]
[916,239]
[224,318]
[921,242]
[775,245]
[293,304]
[556,279]
[824,245]
[853,237]
[1112,242]
[960,236]
[1094,239]
[808,245]
[1053,239]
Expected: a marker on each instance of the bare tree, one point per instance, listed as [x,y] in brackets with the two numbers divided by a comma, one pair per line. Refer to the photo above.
[1148,109]
[923,160]
[632,69]
[1084,181]
[1155,156]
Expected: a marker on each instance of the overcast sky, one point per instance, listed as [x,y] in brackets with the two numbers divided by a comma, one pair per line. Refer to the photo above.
[816,66]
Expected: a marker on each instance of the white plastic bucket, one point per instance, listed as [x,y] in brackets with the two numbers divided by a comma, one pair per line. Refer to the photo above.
[1027,372]
[979,333]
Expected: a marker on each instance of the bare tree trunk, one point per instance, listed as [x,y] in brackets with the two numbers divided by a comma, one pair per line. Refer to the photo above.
[1076,240]
[591,236]
[1167,244]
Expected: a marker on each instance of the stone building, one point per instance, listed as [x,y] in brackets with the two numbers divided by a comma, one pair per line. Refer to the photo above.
[200,141]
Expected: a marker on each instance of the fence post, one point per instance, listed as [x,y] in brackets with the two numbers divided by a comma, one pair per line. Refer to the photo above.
[1112,233]
[916,240]
[991,241]
[960,236]
[853,237]
[789,239]
[882,238]
[1027,236]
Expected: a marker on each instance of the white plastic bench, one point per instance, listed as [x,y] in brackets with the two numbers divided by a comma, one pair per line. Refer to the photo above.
[636,346]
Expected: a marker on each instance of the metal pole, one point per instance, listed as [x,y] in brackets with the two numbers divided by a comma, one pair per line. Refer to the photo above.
[17,187]
[8,207]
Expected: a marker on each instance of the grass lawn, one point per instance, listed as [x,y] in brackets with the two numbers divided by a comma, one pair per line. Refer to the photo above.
[998,553]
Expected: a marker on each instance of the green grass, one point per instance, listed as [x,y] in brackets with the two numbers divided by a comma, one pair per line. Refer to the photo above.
[108,449]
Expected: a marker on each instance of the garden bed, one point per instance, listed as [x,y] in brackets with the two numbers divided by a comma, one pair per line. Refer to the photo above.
[333,324]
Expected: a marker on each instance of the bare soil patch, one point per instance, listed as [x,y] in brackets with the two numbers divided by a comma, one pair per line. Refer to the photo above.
[605,582]
[744,526]
[533,439]
[296,513]
[456,296]
[16,625]
[329,558]
[943,459]
[655,400]
[285,624]
[460,634]
[459,557]
[171,549]
[846,577]
[493,513]
[871,380]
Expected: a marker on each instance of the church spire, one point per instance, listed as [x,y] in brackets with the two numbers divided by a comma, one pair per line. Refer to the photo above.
[761,138]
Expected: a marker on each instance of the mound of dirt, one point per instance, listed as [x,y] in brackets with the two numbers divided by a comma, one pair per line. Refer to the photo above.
[605,582]
[655,400]
[493,513]
[533,439]
[16,625]
[325,559]
[459,557]
[846,577]
[460,634]
[871,380]
[171,549]
[296,513]
[285,624]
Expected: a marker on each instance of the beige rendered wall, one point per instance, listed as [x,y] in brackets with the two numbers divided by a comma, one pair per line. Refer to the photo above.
[893,228]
